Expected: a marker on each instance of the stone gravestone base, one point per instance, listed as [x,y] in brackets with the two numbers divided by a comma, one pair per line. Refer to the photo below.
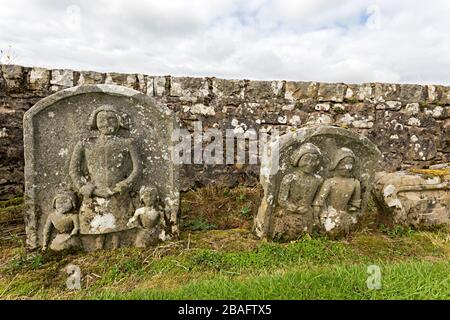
[99,171]
[317,178]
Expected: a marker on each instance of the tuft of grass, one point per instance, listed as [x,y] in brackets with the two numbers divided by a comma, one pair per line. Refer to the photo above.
[396,230]
[220,207]
[11,202]
[198,224]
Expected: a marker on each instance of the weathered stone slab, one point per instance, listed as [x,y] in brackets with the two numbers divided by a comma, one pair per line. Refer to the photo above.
[321,180]
[99,170]
[418,199]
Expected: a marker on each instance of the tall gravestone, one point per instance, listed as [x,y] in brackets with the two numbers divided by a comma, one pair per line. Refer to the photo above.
[317,178]
[99,170]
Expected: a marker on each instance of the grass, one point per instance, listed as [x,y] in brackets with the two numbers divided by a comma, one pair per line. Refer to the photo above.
[407,280]
[415,265]
[219,207]
[215,260]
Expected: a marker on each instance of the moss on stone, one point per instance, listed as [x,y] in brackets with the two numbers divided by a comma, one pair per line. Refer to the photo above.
[432,172]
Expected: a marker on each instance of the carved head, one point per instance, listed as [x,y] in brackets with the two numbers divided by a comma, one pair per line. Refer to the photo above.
[148,196]
[306,158]
[343,161]
[64,201]
[106,120]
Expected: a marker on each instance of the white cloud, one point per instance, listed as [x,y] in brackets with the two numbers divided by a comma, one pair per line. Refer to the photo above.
[322,40]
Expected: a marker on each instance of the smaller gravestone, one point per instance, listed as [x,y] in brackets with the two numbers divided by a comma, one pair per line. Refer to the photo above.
[99,171]
[317,178]
[418,198]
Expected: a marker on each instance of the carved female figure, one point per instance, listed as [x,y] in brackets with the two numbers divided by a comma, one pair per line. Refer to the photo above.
[339,197]
[297,192]
[64,220]
[103,170]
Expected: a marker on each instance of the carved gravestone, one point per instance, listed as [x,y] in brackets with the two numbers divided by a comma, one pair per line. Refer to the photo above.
[99,170]
[317,178]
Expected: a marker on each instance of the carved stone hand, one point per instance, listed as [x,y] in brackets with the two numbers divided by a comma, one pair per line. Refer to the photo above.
[87,190]
[121,187]
[132,222]
[74,232]
[103,192]
[303,209]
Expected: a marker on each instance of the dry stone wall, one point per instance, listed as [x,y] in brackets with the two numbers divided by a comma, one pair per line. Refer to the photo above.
[410,124]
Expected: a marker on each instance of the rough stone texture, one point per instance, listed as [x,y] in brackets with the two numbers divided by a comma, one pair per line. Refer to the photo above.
[39,79]
[90,151]
[127,80]
[300,91]
[362,92]
[61,79]
[189,87]
[14,77]
[90,77]
[414,199]
[321,180]
[410,133]
[331,92]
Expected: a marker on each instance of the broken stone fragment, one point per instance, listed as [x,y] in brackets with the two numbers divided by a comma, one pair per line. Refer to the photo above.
[415,198]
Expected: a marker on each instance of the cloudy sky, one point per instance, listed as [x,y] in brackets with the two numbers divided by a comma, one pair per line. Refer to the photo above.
[324,40]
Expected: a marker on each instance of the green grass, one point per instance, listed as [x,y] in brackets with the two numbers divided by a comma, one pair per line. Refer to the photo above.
[228,264]
[217,257]
[406,280]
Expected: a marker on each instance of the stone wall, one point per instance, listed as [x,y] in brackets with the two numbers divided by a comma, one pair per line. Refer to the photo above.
[409,123]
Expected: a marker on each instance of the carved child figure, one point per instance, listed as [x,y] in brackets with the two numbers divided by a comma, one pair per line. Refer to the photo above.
[147,218]
[65,221]
[297,192]
[339,198]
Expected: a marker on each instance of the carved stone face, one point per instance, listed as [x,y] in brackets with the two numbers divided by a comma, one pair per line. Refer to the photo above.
[309,162]
[107,122]
[148,198]
[63,204]
[345,166]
